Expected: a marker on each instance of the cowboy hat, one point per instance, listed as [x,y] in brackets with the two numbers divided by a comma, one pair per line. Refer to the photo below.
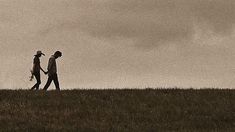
[40,53]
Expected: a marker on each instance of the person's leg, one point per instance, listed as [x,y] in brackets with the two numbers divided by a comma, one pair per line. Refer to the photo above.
[56,82]
[49,80]
[37,76]
[34,86]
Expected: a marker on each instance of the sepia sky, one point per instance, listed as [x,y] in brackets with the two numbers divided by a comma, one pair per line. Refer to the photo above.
[120,43]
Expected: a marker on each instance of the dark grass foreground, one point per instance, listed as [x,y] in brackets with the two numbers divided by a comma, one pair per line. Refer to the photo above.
[118,110]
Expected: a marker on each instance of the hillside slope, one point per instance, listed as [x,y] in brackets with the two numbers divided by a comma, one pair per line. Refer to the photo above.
[118,110]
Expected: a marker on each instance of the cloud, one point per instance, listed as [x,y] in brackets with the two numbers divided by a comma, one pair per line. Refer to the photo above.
[218,14]
[149,23]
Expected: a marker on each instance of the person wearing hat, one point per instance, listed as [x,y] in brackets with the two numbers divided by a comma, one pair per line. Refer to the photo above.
[52,71]
[36,69]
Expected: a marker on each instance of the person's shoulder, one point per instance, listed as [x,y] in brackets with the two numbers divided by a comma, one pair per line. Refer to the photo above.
[52,57]
[35,58]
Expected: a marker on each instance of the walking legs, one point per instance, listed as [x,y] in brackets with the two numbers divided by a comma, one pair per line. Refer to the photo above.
[53,78]
[38,78]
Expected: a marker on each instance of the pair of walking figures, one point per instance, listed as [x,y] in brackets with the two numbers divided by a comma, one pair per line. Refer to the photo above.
[51,70]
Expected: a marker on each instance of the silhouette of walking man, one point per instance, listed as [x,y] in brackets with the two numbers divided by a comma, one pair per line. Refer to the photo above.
[52,71]
[36,69]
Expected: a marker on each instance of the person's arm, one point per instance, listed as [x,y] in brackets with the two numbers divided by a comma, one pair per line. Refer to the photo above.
[34,65]
[33,70]
[43,70]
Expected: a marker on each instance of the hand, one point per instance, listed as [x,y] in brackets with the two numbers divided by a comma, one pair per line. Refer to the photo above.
[31,78]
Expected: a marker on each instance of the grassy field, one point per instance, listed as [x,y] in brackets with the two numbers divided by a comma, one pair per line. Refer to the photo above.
[118,110]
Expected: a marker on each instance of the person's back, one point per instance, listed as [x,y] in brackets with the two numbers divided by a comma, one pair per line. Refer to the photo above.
[52,68]
[36,64]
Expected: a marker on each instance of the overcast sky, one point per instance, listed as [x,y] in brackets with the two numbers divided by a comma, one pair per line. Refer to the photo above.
[120,43]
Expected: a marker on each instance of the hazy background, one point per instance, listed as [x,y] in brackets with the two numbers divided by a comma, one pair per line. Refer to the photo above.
[120,43]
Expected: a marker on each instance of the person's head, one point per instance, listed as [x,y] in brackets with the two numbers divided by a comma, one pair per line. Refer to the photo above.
[57,54]
[39,53]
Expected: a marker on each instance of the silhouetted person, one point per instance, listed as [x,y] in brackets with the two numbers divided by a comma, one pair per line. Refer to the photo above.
[52,71]
[36,69]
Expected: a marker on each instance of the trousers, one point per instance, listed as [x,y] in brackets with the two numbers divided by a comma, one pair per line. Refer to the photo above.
[38,79]
[53,78]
